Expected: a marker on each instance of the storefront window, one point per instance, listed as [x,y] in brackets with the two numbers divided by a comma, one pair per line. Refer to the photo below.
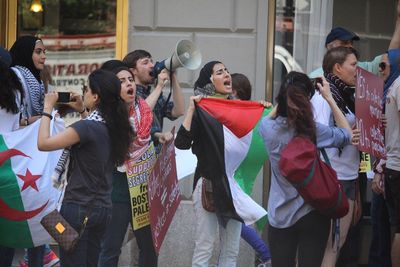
[79,36]
[302,25]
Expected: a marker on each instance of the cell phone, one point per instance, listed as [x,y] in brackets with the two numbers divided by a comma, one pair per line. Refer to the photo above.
[315,81]
[64,97]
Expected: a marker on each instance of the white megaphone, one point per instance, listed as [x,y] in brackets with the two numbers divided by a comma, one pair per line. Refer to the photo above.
[185,55]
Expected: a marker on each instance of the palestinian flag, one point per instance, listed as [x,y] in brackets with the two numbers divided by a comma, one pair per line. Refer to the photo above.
[236,153]
[26,191]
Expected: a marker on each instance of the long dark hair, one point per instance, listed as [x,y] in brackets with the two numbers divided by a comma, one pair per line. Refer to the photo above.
[9,86]
[114,111]
[294,104]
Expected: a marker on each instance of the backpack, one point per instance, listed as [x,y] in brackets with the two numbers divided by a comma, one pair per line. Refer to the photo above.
[315,180]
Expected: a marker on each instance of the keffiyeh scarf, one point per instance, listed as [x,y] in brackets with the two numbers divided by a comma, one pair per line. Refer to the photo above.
[34,91]
[141,118]
[342,93]
[60,174]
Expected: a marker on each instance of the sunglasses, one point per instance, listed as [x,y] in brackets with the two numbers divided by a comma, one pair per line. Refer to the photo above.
[382,66]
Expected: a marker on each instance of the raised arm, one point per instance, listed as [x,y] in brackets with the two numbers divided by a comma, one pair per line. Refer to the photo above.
[64,139]
[340,119]
[177,96]
[162,78]
[395,42]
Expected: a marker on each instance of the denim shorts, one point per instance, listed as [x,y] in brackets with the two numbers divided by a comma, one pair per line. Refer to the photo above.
[349,187]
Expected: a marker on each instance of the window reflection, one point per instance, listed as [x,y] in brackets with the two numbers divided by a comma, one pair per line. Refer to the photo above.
[79,35]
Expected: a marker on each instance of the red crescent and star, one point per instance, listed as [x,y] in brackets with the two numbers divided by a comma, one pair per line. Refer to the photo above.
[29,181]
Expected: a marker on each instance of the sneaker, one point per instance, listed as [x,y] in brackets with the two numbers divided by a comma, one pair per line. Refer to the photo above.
[23,264]
[50,259]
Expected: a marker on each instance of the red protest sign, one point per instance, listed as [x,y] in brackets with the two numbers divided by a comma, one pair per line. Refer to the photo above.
[164,193]
[369,94]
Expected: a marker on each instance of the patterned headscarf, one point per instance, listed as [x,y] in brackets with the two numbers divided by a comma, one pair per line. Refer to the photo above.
[203,85]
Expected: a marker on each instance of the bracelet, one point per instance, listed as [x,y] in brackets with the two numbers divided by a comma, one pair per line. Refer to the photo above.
[84,109]
[47,115]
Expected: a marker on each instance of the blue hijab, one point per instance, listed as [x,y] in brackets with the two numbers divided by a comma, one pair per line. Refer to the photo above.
[394,60]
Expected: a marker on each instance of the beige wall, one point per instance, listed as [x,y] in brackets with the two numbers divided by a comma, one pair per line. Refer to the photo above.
[232,31]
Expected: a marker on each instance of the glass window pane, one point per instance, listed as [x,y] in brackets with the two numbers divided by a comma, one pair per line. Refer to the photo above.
[79,36]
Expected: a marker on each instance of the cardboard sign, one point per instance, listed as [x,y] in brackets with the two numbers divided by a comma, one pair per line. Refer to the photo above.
[164,194]
[137,172]
[369,94]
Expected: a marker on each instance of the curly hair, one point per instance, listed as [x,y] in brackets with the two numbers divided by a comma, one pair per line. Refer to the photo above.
[294,104]
[114,111]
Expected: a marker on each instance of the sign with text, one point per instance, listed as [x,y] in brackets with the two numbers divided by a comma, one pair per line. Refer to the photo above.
[369,94]
[164,193]
[137,172]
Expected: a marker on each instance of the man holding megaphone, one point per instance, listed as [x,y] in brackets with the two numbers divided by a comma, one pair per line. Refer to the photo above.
[141,64]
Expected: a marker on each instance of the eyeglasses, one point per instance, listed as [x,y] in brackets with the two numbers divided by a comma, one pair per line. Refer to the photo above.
[382,66]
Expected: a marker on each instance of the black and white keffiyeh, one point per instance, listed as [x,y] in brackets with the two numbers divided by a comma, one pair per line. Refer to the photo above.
[59,176]
[342,93]
[34,91]
[95,116]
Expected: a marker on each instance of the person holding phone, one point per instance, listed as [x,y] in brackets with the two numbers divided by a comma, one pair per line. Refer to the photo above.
[98,143]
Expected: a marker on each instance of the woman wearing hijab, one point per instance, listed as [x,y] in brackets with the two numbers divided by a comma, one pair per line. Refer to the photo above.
[28,58]
[214,81]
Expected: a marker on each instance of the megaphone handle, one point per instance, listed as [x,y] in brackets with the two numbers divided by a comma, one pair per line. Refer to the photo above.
[170,87]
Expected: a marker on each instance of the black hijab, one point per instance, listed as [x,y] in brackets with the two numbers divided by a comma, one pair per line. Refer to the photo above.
[21,53]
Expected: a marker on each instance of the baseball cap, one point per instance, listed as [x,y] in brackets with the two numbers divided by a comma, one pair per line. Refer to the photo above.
[5,56]
[342,34]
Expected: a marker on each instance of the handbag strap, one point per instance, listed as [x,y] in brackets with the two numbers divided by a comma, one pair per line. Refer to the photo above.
[335,222]
[326,159]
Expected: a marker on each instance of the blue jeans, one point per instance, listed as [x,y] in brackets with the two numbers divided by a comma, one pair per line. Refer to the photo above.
[86,252]
[6,256]
[379,252]
[115,233]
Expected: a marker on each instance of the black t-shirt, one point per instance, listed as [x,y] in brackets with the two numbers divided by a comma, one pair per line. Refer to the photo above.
[91,172]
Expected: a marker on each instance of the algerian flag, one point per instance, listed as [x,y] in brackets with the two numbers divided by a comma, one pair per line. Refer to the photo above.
[235,152]
[26,191]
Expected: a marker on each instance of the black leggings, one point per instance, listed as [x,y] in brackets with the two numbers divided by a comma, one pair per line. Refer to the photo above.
[308,236]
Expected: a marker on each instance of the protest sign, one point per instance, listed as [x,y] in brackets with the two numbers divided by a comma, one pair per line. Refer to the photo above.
[137,172]
[164,193]
[368,102]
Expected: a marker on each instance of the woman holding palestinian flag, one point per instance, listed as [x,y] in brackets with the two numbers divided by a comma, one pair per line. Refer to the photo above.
[303,230]
[212,128]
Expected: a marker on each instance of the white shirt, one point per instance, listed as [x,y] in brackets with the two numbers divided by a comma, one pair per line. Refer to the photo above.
[345,161]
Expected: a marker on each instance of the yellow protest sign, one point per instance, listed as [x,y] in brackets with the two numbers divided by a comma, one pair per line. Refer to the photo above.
[137,173]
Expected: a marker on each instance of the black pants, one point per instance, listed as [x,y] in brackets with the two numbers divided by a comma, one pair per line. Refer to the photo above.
[306,238]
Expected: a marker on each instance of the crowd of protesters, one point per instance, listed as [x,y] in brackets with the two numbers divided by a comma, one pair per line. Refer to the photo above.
[122,120]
